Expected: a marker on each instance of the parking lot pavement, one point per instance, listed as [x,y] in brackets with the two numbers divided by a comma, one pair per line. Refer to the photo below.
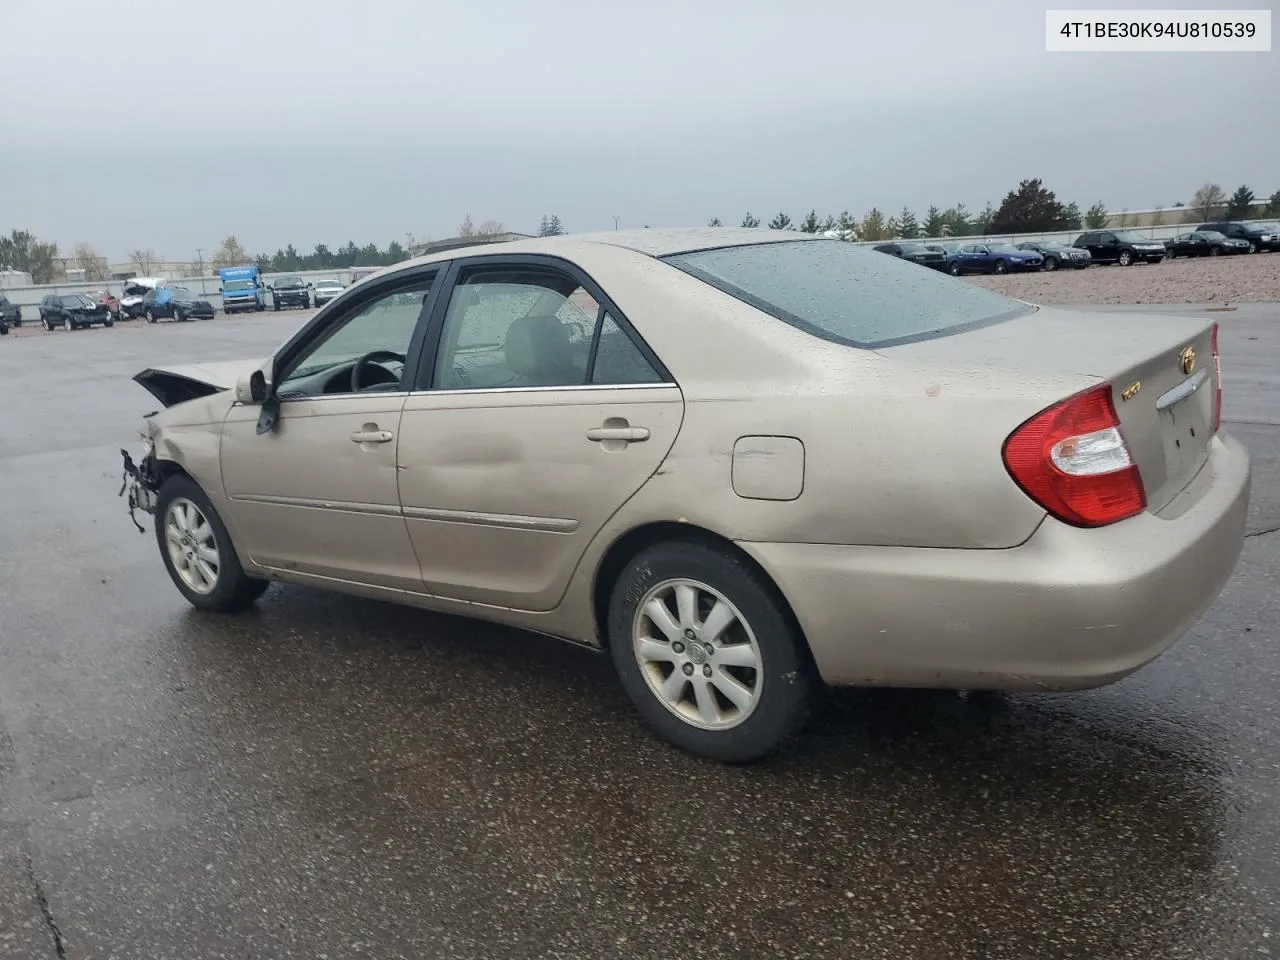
[327,776]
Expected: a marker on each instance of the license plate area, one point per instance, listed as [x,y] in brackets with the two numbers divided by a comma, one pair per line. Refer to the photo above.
[1186,426]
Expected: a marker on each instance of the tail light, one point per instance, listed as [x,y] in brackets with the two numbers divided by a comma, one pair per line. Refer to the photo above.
[1217,374]
[1073,461]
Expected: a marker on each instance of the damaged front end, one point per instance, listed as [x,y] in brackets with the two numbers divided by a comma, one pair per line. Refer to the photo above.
[141,481]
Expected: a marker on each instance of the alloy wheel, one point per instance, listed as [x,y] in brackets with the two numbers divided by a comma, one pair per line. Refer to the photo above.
[193,549]
[697,654]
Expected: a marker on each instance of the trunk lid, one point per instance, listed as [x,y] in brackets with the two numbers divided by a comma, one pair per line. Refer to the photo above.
[177,384]
[1160,368]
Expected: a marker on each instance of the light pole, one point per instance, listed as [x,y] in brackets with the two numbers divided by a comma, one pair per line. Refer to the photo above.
[200,267]
[615,223]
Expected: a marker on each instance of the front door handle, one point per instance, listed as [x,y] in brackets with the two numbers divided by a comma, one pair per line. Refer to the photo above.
[624,434]
[370,433]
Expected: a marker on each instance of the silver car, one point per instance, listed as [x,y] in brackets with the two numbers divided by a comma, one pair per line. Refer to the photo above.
[746,463]
[324,291]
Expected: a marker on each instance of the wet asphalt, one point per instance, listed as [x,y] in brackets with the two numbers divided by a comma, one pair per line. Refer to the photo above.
[327,777]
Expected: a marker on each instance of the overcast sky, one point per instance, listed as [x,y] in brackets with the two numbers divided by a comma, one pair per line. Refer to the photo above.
[172,123]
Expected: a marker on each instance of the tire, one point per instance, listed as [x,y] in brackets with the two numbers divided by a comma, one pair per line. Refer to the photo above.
[67,324]
[48,325]
[179,316]
[1253,247]
[778,693]
[179,537]
[151,315]
[1125,258]
[108,322]
[1050,264]
[1000,267]
[275,305]
[1215,252]
[954,269]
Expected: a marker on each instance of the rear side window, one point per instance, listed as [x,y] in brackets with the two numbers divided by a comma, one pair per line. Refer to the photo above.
[846,294]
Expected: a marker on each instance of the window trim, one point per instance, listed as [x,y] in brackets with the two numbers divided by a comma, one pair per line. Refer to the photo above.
[424,381]
[334,315]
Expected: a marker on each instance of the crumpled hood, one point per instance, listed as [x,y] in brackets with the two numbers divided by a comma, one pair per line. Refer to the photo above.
[177,384]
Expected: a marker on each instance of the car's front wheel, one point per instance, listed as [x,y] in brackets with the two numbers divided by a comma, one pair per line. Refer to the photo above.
[708,652]
[197,550]
[1051,263]
[48,324]
[1215,251]
[1000,267]
[954,269]
[1125,258]
[151,315]
[67,324]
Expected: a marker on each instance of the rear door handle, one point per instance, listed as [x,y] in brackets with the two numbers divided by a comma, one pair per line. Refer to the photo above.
[625,434]
[371,434]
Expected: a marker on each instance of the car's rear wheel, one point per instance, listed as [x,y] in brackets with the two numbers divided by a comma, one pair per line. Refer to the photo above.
[67,324]
[708,652]
[197,550]
[1125,258]
[151,315]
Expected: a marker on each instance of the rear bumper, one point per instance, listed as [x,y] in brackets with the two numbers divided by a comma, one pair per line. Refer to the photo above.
[1068,609]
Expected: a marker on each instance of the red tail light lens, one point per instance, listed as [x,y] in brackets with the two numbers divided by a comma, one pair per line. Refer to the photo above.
[1073,461]
[1217,373]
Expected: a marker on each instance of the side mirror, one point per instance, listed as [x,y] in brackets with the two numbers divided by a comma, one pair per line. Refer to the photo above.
[251,389]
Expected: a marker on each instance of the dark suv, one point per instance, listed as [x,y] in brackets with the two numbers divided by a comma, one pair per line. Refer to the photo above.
[71,311]
[290,292]
[1120,246]
[10,314]
[1259,236]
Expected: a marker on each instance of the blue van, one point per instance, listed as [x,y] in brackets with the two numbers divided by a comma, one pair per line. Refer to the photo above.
[241,289]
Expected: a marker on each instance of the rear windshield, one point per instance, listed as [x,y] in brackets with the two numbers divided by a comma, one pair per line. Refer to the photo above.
[847,294]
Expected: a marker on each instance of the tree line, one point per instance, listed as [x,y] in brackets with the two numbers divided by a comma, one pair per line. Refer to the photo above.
[1030,208]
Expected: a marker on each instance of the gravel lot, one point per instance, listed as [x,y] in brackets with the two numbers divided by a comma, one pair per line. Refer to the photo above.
[1217,280]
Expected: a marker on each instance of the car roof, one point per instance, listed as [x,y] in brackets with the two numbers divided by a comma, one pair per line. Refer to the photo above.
[653,242]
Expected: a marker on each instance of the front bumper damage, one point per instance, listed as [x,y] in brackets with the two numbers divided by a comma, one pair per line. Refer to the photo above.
[141,481]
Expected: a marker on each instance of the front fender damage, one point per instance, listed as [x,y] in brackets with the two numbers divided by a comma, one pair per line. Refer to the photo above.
[141,481]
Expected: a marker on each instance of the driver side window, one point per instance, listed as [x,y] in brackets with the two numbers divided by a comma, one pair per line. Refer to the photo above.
[377,332]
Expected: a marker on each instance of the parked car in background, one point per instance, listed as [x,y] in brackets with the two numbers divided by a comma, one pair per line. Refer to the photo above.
[1058,254]
[993,258]
[241,289]
[135,289]
[177,303]
[108,300]
[10,313]
[1205,243]
[489,447]
[1259,236]
[1120,246]
[290,292]
[915,253]
[326,290]
[72,311]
